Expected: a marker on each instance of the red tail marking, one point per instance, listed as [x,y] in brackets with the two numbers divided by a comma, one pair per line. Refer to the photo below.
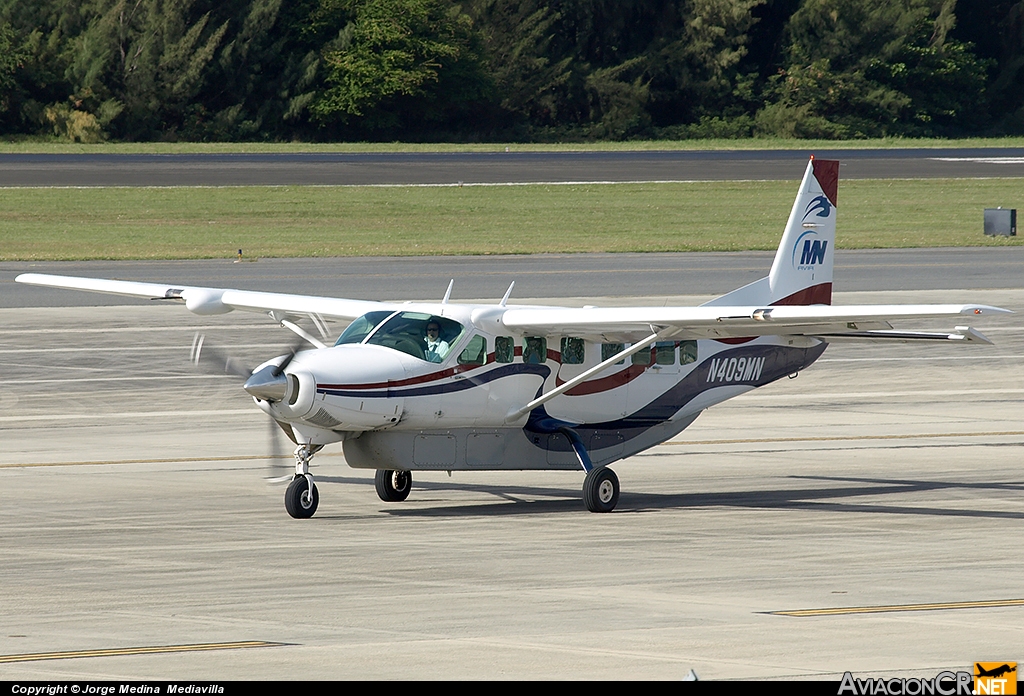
[816,294]
[827,174]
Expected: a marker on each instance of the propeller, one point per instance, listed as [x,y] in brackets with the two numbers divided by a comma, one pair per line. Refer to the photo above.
[279,469]
[213,360]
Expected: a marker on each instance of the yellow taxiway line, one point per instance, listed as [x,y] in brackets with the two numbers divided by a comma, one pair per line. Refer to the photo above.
[900,607]
[145,650]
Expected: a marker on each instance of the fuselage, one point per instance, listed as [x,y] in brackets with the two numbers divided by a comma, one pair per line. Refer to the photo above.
[396,404]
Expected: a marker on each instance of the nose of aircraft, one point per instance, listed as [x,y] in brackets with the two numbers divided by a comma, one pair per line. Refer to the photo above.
[268,384]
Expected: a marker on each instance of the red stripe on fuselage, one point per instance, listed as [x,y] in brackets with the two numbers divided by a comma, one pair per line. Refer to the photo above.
[593,386]
[421,379]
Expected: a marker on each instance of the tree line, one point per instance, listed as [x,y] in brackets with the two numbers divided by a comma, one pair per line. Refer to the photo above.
[425,70]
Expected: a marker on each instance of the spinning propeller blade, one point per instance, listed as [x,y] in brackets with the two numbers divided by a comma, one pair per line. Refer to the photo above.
[213,360]
[279,469]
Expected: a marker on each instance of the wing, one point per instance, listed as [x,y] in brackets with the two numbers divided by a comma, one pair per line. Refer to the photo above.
[824,321]
[211,300]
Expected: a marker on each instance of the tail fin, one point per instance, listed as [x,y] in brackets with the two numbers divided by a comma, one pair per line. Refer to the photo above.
[802,271]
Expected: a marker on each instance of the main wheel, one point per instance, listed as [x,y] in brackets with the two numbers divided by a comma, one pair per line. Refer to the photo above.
[601,490]
[392,486]
[299,500]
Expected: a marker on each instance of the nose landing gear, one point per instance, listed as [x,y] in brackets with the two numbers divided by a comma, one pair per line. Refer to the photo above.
[301,498]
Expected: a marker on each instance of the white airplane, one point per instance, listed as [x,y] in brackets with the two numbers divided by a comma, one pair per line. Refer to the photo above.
[445,386]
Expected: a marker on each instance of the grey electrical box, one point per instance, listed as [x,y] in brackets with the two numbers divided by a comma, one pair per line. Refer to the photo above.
[1001,221]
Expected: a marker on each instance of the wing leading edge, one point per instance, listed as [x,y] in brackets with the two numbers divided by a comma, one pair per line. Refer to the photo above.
[825,321]
[600,323]
[205,301]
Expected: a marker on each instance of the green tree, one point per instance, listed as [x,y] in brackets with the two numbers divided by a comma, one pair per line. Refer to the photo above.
[517,42]
[146,58]
[996,27]
[634,66]
[11,58]
[126,67]
[265,73]
[401,64]
[863,68]
[695,73]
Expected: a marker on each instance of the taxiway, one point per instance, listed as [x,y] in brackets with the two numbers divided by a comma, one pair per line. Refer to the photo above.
[136,519]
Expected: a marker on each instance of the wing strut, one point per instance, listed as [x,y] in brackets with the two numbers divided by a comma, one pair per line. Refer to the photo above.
[578,447]
[302,333]
[558,391]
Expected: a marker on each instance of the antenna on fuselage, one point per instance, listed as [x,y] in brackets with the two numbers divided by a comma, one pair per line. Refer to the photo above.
[448,292]
[507,293]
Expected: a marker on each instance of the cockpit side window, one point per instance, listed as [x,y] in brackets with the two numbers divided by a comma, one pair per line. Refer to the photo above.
[417,334]
[361,327]
[475,352]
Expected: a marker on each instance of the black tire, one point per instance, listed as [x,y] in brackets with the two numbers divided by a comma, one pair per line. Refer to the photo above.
[601,490]
[297,503]
[392,486]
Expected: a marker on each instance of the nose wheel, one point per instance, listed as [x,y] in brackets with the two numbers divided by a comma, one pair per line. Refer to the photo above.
[392,486]
[301,498]
[601,490]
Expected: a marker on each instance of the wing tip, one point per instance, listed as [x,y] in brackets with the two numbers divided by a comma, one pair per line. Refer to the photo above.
[984,309]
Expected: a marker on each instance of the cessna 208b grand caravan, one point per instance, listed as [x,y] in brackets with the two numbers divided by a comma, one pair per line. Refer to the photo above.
[445,386]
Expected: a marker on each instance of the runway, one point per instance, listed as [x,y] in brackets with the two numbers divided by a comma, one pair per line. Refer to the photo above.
[495,167]
[142,543]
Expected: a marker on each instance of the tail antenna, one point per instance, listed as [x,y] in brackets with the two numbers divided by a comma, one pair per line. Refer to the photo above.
[507,294]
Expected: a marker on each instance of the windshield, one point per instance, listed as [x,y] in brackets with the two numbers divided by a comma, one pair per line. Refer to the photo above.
[420,335]
[361,327]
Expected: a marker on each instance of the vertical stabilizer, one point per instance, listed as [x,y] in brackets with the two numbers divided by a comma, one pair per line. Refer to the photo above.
[802,272]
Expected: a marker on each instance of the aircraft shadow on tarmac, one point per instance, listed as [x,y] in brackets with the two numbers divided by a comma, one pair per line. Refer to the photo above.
[521,500]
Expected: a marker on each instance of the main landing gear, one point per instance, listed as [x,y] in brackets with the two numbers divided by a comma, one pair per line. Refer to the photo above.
[302,497]
[601,486]
[601,490]
[392,486]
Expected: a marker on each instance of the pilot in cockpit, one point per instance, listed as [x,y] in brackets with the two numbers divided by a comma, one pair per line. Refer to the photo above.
[437,347]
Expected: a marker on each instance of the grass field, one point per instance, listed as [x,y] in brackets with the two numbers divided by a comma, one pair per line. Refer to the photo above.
[35,146]
[161,223]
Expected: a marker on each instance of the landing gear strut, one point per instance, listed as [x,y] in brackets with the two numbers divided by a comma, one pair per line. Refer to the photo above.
[392,486]
[302,497]
[601,490]
[601,486]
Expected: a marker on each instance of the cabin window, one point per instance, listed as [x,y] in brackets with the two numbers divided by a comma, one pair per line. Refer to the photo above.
[573,350]
[475,352]
[642,357]
[361,327]
[535,350]
[687,352]
[665,353]
[611,349]
[420,335]
[504,349]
